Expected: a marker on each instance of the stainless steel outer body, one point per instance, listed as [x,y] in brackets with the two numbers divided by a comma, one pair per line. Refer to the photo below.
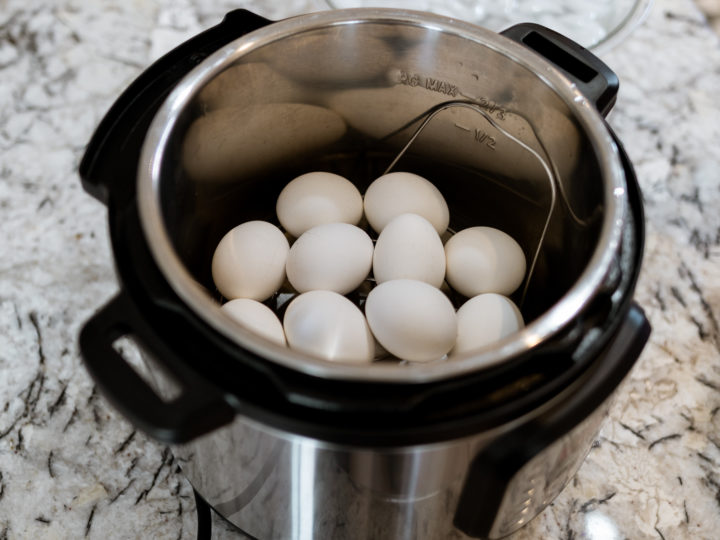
[275,485]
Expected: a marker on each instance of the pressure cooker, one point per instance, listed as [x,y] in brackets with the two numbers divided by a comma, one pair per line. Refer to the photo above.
[510,127]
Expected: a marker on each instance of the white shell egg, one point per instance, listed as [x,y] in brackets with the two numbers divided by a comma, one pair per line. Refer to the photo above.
[257,318]
[334,257]
[483,259]
[327,325]
[249,261]
[485,319]
[412,319]
[402,193]
[409,248]
[316,198]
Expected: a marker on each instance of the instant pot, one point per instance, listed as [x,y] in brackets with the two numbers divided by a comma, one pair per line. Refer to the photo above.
[510,127]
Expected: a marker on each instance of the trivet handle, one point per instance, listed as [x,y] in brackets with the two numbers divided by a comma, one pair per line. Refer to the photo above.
[591,75]
[111,157]
[200,407]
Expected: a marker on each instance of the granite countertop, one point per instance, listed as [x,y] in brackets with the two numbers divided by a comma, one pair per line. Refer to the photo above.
[72,467]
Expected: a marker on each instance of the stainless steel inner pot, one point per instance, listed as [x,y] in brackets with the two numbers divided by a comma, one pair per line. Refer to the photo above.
[343,91]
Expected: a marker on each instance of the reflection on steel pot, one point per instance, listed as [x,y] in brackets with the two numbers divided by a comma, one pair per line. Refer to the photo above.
[215,150]
[509,128]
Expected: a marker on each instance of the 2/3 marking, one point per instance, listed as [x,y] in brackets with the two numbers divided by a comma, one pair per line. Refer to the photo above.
[491,107]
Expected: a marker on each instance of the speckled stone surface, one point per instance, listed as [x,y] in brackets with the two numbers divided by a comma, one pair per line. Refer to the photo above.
[72,467]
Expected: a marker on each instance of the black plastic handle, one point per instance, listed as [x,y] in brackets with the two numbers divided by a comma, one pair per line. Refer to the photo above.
[590,74]
[198,409]
[113,151]
[494,466]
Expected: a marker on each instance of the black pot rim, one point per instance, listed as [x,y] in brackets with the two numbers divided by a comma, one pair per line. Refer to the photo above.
[362,412]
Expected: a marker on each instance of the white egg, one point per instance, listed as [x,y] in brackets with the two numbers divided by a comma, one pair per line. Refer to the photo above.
[484,259]
[412,319]
[409,248]
[256,317]
[333,257]
[402,193]
[485,319]
[249,261]
[316,198]
[329,326]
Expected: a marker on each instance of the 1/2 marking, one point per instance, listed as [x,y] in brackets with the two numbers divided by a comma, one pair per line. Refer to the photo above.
[483,138]
[480,136]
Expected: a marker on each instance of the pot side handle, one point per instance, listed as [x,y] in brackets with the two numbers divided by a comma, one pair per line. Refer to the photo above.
[590,74]
[198,409]
[492,470]
[112,154]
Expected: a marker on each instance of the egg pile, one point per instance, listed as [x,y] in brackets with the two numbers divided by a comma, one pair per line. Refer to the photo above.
[407,313]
